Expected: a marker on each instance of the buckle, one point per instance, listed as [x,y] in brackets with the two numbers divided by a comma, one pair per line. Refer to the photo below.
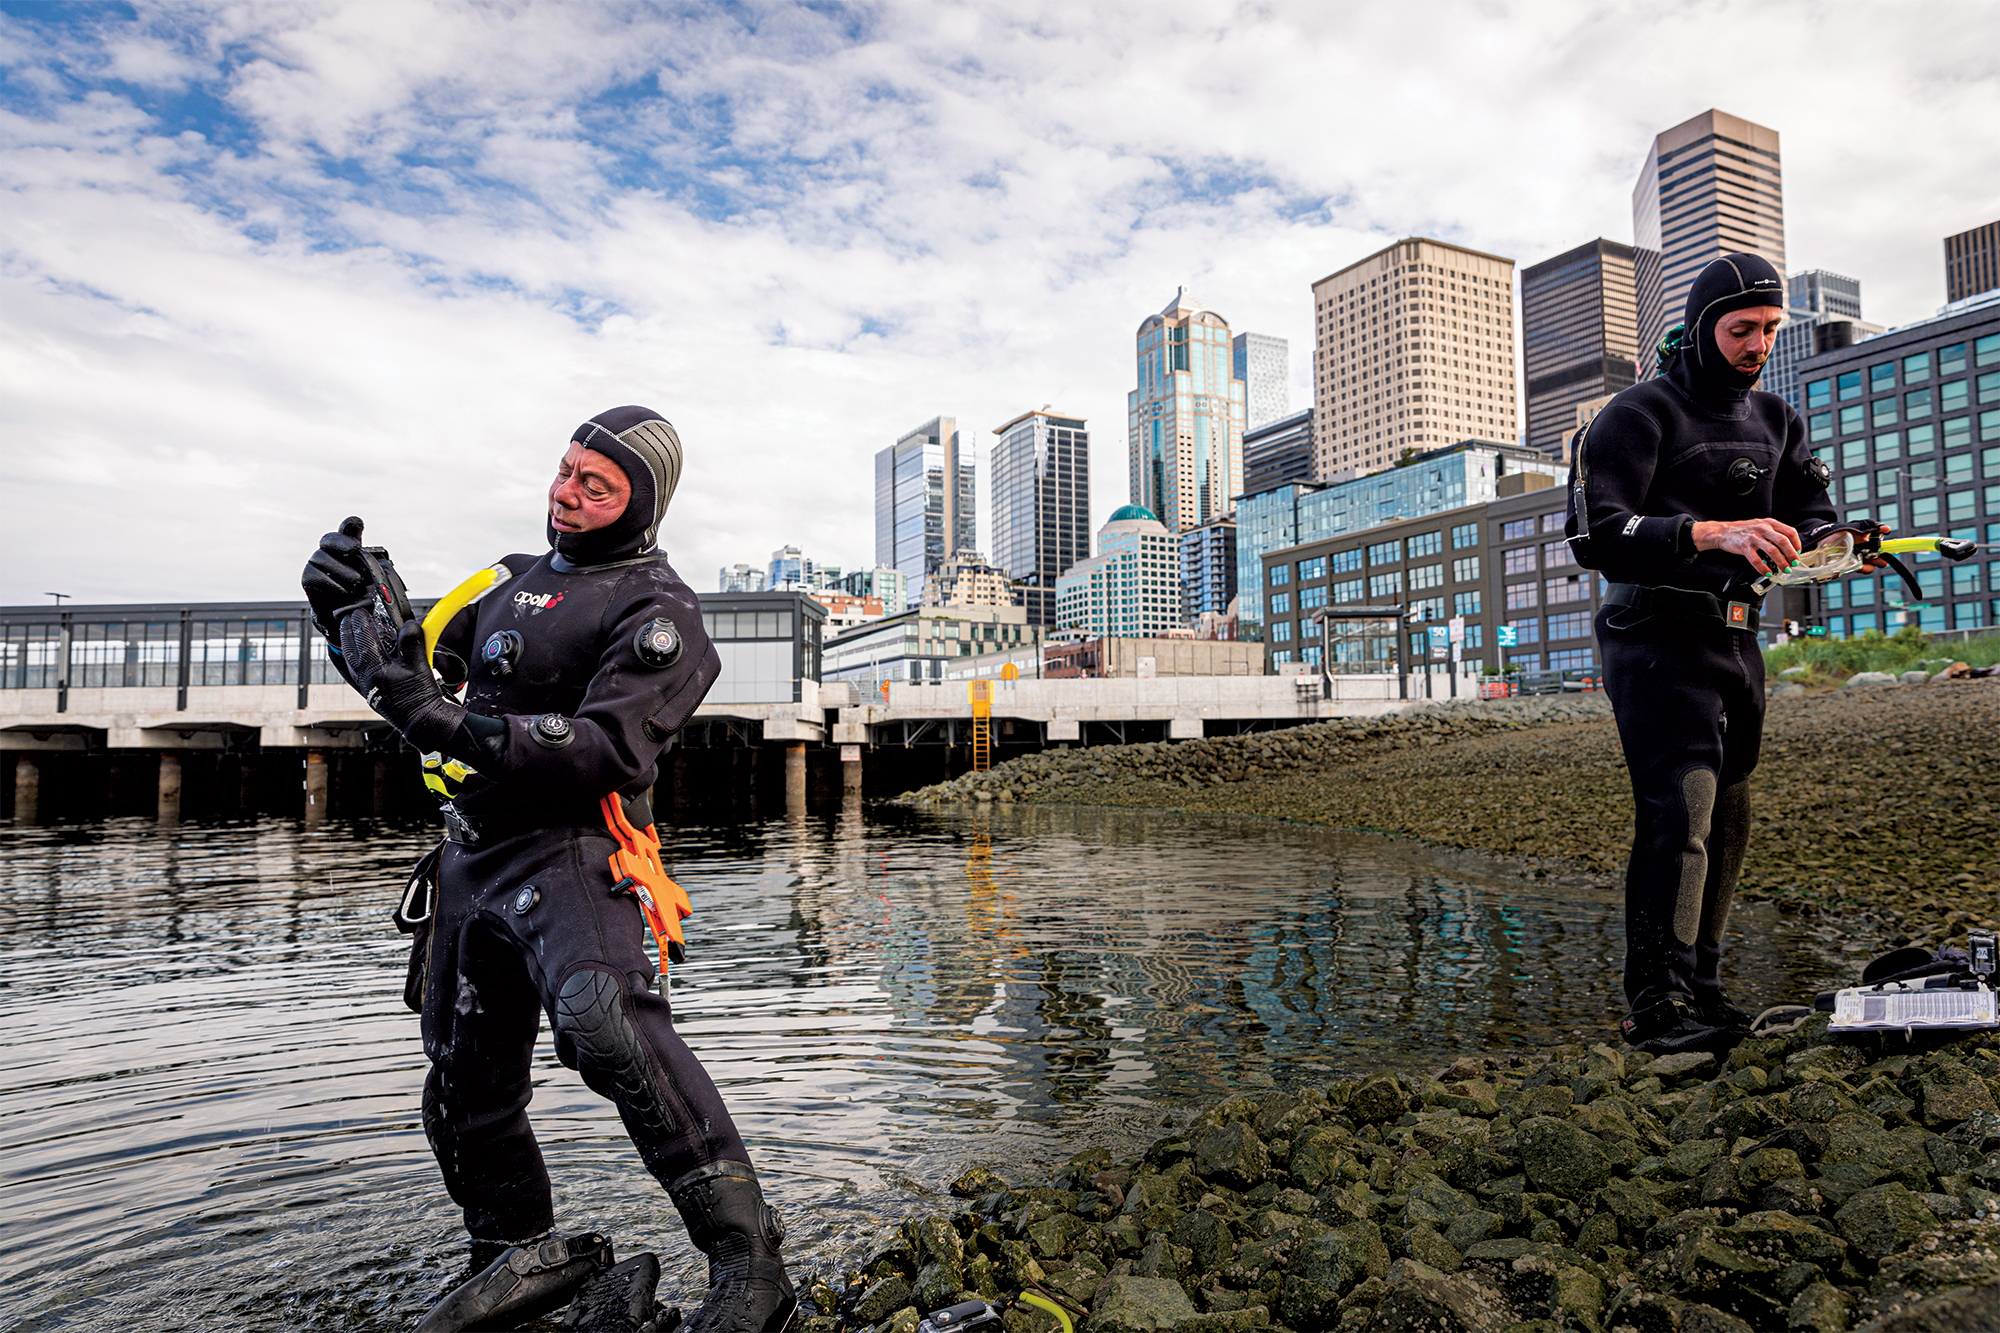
[1740,615]
[457,827]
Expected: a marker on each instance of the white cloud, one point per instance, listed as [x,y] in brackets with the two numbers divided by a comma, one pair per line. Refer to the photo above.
[263,266]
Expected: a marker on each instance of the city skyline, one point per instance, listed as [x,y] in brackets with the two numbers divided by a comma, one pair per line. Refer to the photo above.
[385,260]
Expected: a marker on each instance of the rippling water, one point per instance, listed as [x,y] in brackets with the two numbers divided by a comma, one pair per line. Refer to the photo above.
[209,1085]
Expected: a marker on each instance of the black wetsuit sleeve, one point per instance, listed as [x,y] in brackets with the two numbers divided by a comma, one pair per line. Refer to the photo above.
[1610,480]
[1799,496]
[630,711]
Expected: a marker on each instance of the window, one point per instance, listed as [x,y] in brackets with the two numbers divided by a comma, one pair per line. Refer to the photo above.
[1951,397]
[1851,420]
[1989,425]
[1989,462]
[1575,588]
[1553,522]
[1519,528]
[1475,637]
[1280,575]
[1957,468]
[1526,631]
[1314,568]
[1312,597]
[1917,404]
[1465,569]
[1428,608]
[1836,596]
[1819,393]
[1555,555]
[1312,655]
[1951,358]
[1426,543]
[1347,562]
[1853,453]
[1921,439]
[1989,387]
[1923,475]
[1932,582]
[1917,368]
[1959,506]
[1923,512]
[1820,426]
[1571,659]
[1386,585]
[1386,553]
[1885,483]
[1864,624]
[1966,615]
[1861,592]
[1882,378]
[1888,447]
[1570,625]
[1426,576]
[1850,385]
[1281,603]
[1964,579]
[1349,591]
[1465,604]
[1464,535]
[1520,560]
[1521,596]
[1987,350]
[1882,412]
[1854,488]
[1283,655]
[1957,433]
[1281,631]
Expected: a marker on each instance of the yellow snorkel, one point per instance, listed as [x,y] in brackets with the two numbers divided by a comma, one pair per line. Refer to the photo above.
[443,775]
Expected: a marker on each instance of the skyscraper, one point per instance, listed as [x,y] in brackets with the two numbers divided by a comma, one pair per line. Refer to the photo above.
[1263,363]
[1278,452]
[925,496]
[1972,262]
[1131,587]
[1040,486]
[1822,313]
[1415,351]
[1579,336]
[1185,420]
[1711,186]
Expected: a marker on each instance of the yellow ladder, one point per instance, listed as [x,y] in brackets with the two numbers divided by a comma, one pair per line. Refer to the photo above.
[981,692]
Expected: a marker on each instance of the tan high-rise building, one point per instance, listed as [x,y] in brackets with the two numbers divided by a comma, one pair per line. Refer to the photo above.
[1413,349]
[1711,186]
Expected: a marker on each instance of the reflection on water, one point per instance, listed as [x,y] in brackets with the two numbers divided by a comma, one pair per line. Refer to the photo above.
[209,1086]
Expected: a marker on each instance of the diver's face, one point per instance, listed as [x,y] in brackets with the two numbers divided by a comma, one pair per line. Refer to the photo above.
[589,493]
[1745,337]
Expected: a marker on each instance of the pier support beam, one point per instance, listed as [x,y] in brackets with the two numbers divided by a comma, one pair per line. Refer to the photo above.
[319,786]
[170,787]
[851,771]
[246,785]
[379,801]
[27,789]
[795,778]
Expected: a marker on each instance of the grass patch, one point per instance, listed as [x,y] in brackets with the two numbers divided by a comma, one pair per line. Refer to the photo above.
[1830,661]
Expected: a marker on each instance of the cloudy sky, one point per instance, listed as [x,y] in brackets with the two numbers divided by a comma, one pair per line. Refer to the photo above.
[266,264]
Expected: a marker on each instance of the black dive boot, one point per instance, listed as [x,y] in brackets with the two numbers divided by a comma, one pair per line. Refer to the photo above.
[524,1282]
[728,1220]
[620,1300]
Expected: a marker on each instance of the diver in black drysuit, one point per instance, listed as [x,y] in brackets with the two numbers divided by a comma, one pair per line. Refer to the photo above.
[582,666]
[1682,661]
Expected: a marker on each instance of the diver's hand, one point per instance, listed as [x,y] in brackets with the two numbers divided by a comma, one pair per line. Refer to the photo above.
[1875,562]
[1767,544]
[335,580]
[393,672]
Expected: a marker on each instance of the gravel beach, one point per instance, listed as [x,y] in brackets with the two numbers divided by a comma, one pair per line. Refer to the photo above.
[1799,1183]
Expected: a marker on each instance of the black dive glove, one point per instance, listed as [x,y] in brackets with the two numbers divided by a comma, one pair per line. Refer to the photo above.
[336,580]
[394,674]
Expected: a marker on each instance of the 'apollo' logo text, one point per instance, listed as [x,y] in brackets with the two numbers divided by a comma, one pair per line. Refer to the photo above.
[541,601]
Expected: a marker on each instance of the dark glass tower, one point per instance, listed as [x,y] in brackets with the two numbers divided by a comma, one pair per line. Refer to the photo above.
[1040,487]
[1580,334]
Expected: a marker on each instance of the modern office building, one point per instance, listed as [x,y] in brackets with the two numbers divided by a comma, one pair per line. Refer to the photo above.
[769,643]
[740,578]
[1972,262]
[1822,314]
[1185,420]
[789,570]
[883,583]
[965,579]
[1469,472]
[1039,486]
[1415,349]
[1208,569]
[1711,186]
[921,643]
[1278,452]
[1909,422]
[1263,363]
[925,499]
[1131,587]
[1579,336]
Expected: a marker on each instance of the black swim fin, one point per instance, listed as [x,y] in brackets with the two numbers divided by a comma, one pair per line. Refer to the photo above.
[525,1282]
[620,1300]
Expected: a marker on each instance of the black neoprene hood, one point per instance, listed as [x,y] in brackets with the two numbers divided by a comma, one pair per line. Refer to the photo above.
[1735,282]
[645,445]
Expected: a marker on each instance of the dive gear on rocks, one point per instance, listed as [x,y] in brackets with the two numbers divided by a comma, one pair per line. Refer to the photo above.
[525,1282]
[1914,990]
[393,672]
[728,1220]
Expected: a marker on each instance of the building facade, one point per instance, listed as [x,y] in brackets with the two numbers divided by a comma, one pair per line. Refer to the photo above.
[1414,348]
[965,579]
[1972,262]
[1822,314]
[1263,363]
[1131,588]
[920,643]
[769,643]
[1150,659]
[792,570]
[1278,452]
[1469,472]
[1040,488]
[1909,423]
[740,578]
[1710,186]
[1208,569]
[845,611]
[883,583]
[925,500]
[1185,419]
[1579,336]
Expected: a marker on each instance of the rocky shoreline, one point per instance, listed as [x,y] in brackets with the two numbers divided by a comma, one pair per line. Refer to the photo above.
[1801,1183]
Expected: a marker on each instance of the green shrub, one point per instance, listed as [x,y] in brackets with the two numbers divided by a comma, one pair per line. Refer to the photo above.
[1830,661]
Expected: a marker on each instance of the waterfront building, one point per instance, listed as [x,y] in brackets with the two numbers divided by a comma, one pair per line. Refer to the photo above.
[1278,452]
[919,644]
[1415,348]
[1040,488]
[1972,262]
[1710,186]
[1822,313]
[967,580]
[1579,337]
[1131,587]
[1208,569]
[1909,424]
[1149,659]
[1263,363]
[925,500]
[884,583]
[740,578]
[1184,421]
[845,611]
[1468,472]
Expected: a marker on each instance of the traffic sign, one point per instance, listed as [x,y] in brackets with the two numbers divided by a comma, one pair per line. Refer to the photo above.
[1507,636]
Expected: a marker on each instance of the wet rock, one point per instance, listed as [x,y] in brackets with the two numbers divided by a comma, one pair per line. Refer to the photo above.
[1953,1311]
[1440,1303]
[977,1182]
[1883,1219]
[1231,1154]
[1863,679]
[880,1301]
[1207,1238]
[1697,1318]
[1471,1227]
[1914,677]
[1138,1305]
[1435,1202]
[1952,1093]
[1423,1243]
[1559,1158]
[1375,1101]
[1820,1307]
[1768,1166]
[1226,1321]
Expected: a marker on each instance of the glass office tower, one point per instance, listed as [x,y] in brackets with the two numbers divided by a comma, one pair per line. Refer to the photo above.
[925,501]
[1041,504]
[1185,420]
[1580,335]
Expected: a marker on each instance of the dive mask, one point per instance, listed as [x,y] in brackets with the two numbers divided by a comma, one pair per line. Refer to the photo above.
[1845,547]
[1833,557]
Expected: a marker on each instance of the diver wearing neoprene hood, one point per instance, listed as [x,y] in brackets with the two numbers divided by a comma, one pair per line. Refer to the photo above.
[578,671]
[1682,491]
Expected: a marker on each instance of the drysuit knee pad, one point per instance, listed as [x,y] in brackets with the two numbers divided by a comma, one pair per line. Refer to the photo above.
[596,1037]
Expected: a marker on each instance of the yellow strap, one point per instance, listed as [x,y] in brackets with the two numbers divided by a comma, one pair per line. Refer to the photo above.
[464,595]
[1044,1303]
